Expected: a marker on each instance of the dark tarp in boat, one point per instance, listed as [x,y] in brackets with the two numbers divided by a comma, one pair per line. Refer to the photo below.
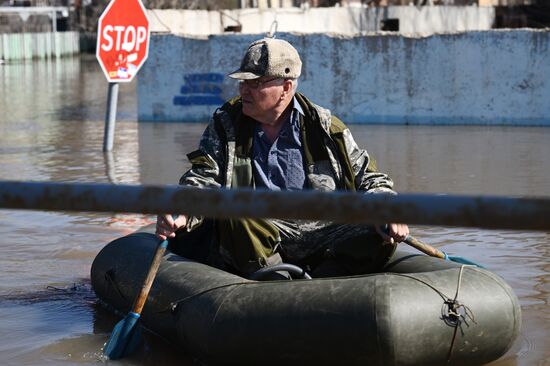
[420,311]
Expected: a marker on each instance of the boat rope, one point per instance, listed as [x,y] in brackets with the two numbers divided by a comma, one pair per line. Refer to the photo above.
[173,306]
[453,312]
[109,278]
[458,312]
[439,292]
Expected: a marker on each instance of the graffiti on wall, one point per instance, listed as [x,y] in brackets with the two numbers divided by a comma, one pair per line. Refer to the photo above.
[201,89]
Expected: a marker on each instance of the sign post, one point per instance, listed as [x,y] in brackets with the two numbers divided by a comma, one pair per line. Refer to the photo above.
[110,117]
[122,48]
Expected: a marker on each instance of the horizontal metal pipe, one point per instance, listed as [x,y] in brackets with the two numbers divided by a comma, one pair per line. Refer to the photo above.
[421,209]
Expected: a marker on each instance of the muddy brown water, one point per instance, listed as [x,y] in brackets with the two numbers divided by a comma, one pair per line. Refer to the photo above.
[51,129]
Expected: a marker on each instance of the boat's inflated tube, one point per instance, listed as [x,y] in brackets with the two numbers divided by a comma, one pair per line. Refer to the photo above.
[421,311]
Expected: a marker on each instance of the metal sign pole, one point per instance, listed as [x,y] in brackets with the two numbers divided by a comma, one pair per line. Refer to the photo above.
[110,117]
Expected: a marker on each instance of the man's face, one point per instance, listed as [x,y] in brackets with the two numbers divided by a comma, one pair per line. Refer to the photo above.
[261,96]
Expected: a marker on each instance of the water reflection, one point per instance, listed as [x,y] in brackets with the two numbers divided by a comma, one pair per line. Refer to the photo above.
[491,160]
[59,312]
[53,121]
[163,149]
[61,89]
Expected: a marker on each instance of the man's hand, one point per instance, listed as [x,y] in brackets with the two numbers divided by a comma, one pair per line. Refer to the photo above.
[394,233]
[167,225]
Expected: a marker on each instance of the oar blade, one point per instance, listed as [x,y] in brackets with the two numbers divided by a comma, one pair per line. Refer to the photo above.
[125,338]
[463,260]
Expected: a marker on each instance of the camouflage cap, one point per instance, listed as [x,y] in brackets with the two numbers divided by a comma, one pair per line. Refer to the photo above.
[269,57]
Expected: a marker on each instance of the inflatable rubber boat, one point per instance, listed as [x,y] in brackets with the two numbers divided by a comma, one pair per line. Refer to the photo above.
[419,311]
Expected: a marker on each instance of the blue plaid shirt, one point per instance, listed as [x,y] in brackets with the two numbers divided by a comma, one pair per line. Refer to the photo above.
[280,166]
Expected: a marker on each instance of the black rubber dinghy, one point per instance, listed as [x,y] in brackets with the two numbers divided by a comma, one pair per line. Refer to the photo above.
[419,311]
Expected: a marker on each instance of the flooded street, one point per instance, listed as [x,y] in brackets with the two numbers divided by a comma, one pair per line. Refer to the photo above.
[51,129]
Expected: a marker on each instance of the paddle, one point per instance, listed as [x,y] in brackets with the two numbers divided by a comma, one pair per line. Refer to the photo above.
[434,252]
[127,333]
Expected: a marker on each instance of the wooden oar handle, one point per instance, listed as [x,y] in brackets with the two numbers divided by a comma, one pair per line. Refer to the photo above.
[146,287]
[424,248]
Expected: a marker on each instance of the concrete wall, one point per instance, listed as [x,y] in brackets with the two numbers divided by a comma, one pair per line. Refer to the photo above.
[413,20]
[492,77]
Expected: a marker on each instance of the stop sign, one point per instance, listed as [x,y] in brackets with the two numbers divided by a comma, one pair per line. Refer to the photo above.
[122,39]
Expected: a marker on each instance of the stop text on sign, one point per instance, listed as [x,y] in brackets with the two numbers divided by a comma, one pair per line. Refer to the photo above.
[128,38]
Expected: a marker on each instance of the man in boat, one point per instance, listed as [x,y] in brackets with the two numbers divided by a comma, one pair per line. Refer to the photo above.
[272,137]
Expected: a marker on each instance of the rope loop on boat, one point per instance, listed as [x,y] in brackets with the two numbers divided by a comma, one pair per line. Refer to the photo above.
[454,313]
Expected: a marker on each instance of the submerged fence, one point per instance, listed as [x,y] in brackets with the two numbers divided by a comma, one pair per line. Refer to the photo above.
[27,46]
[490,212]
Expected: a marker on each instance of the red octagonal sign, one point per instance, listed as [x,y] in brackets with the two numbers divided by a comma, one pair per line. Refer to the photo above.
[122,39]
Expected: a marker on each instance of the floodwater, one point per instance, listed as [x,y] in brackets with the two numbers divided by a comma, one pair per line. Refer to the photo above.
[51,129]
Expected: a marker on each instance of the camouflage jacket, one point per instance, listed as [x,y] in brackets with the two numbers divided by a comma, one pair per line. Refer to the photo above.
[333,159]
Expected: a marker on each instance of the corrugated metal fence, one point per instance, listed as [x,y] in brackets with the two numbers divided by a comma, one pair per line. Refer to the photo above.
[26,46]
